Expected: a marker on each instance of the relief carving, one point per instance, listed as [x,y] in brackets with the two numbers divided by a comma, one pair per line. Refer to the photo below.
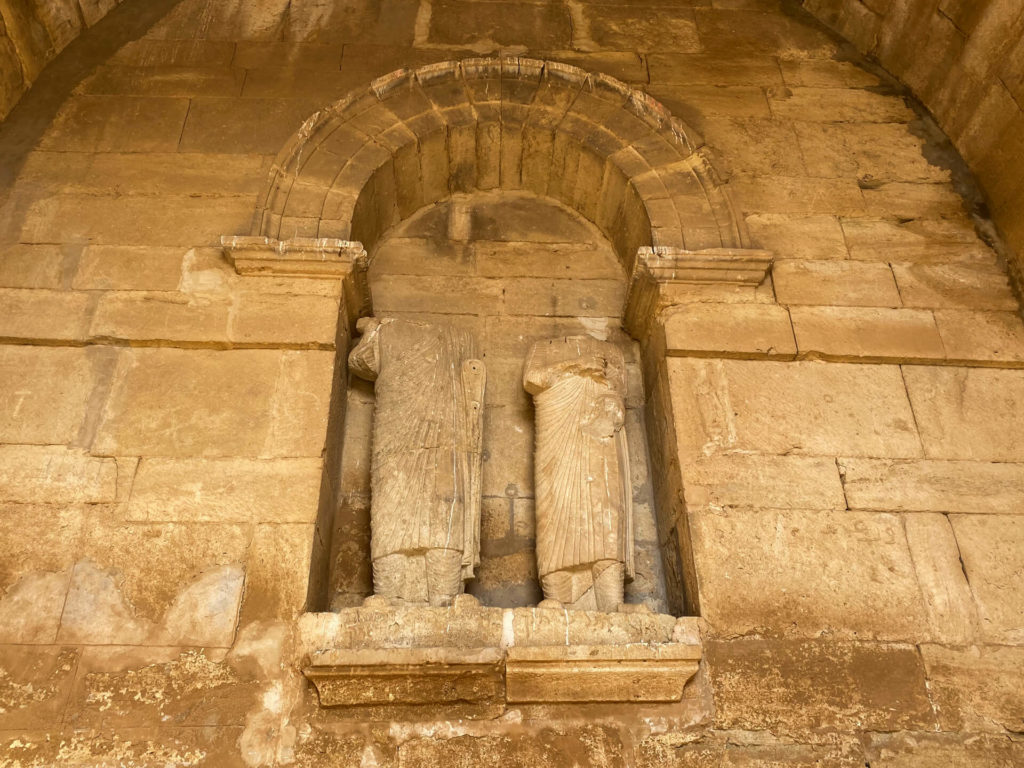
[582,486]
[425,473]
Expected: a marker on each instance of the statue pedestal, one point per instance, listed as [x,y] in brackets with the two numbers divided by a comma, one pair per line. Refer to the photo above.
[491,657]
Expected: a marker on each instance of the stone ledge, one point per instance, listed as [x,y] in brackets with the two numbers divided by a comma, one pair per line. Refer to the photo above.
[492,656]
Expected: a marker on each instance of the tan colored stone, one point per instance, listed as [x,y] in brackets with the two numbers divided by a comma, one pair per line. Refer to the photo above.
[563,298]
[871,151]
[148,316]
[569,260]
[182,81]
[746,31]
[97,613]
[817,683]
[458,23]
[148,52]
[283,319]
[633,29]
[174,402]
[30,609]
[416,293]
[989,336]
[992,552]
[867,332]
[44,315]
[35,684]
[738,481]
[225,490]
[799,195]
[980,688]
[798,237]
[508,439]
[831,104]
[921,750]
[44,392]
[40,474]
[31,266]
[954,286]
[242,126]
[968,413]
[825,73]
[755,146]
[277,572]
[729,329]
[910,200]
[784,408]
[834,283]
[711,68]
[117,124]
[917,240]
[952,617]
[139,268]
[692,102]
[796,571]
[933,486]
[299,411]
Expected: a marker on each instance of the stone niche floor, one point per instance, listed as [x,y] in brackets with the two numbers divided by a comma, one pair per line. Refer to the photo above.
[477,659]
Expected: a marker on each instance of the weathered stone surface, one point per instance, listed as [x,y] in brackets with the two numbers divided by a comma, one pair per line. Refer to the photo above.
[31,266]
[728,329]
[129,268]
[836,150]
[277,571]
[796,571]
[848,333]
[800,407]
[42,315]
[745,481]
[817,683]
[978,688]
[834,283]
[952,616]
[954,286]
[925,750]
[984,336]
[31,608]
[919,240]
[141,125]
[992,555]
[40,474]
[968,413]
[35,684]
[933,486]
[831,104]
[168,402]
[798,237]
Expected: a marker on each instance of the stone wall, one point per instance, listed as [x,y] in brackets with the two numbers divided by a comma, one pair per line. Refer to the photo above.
[845,435]
[33,32]
[965,61]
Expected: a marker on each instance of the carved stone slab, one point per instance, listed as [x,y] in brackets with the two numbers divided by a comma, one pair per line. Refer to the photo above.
[480,656]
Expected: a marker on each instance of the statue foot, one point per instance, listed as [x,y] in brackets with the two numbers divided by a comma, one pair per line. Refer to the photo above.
[634,608]
[551,604]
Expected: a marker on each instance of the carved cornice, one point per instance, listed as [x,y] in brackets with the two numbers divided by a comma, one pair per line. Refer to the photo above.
[660,266]
[310,258]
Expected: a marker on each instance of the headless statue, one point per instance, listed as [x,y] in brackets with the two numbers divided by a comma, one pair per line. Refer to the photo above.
[425,475]
[582,485]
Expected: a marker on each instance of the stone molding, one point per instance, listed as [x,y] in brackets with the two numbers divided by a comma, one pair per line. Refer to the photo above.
[484,656]
[313,258]
[658,267]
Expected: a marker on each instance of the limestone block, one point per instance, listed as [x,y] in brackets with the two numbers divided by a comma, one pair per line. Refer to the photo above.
[904,750]
[30,609]
[625,28]
[139,687]
[980,688]
[114,267]
[825,73]
[712,68]
[435,676]
[933,486]
[952,616]
[798,237]
[159,316]
[563,298]
[919,240]
[954,286]
[117,124]
[243,126]
[968,413]
[181,403]
[283,319]
[818,684]
[277,572]
[148,52]
[226,490]
[987,336]
[849,333]
[992,551]
[421,256]
[96,611]
[508,439]
[784,408]
[419,293]
[582,673]
[182,81]
[838,104]
[799,195]
[465,24]
[755,146]
[876,151]
[693,102]
[751,480]
[834,283]
[31,266]
[532,627]
[498,259]
[35,685]
[44,315]
[771,571]
[50,474]
[910,200]
[745,32]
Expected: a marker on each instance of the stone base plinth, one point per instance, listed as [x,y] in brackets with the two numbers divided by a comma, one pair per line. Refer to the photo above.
[463,655]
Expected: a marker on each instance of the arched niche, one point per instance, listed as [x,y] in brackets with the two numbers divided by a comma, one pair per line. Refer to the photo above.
[359,167]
